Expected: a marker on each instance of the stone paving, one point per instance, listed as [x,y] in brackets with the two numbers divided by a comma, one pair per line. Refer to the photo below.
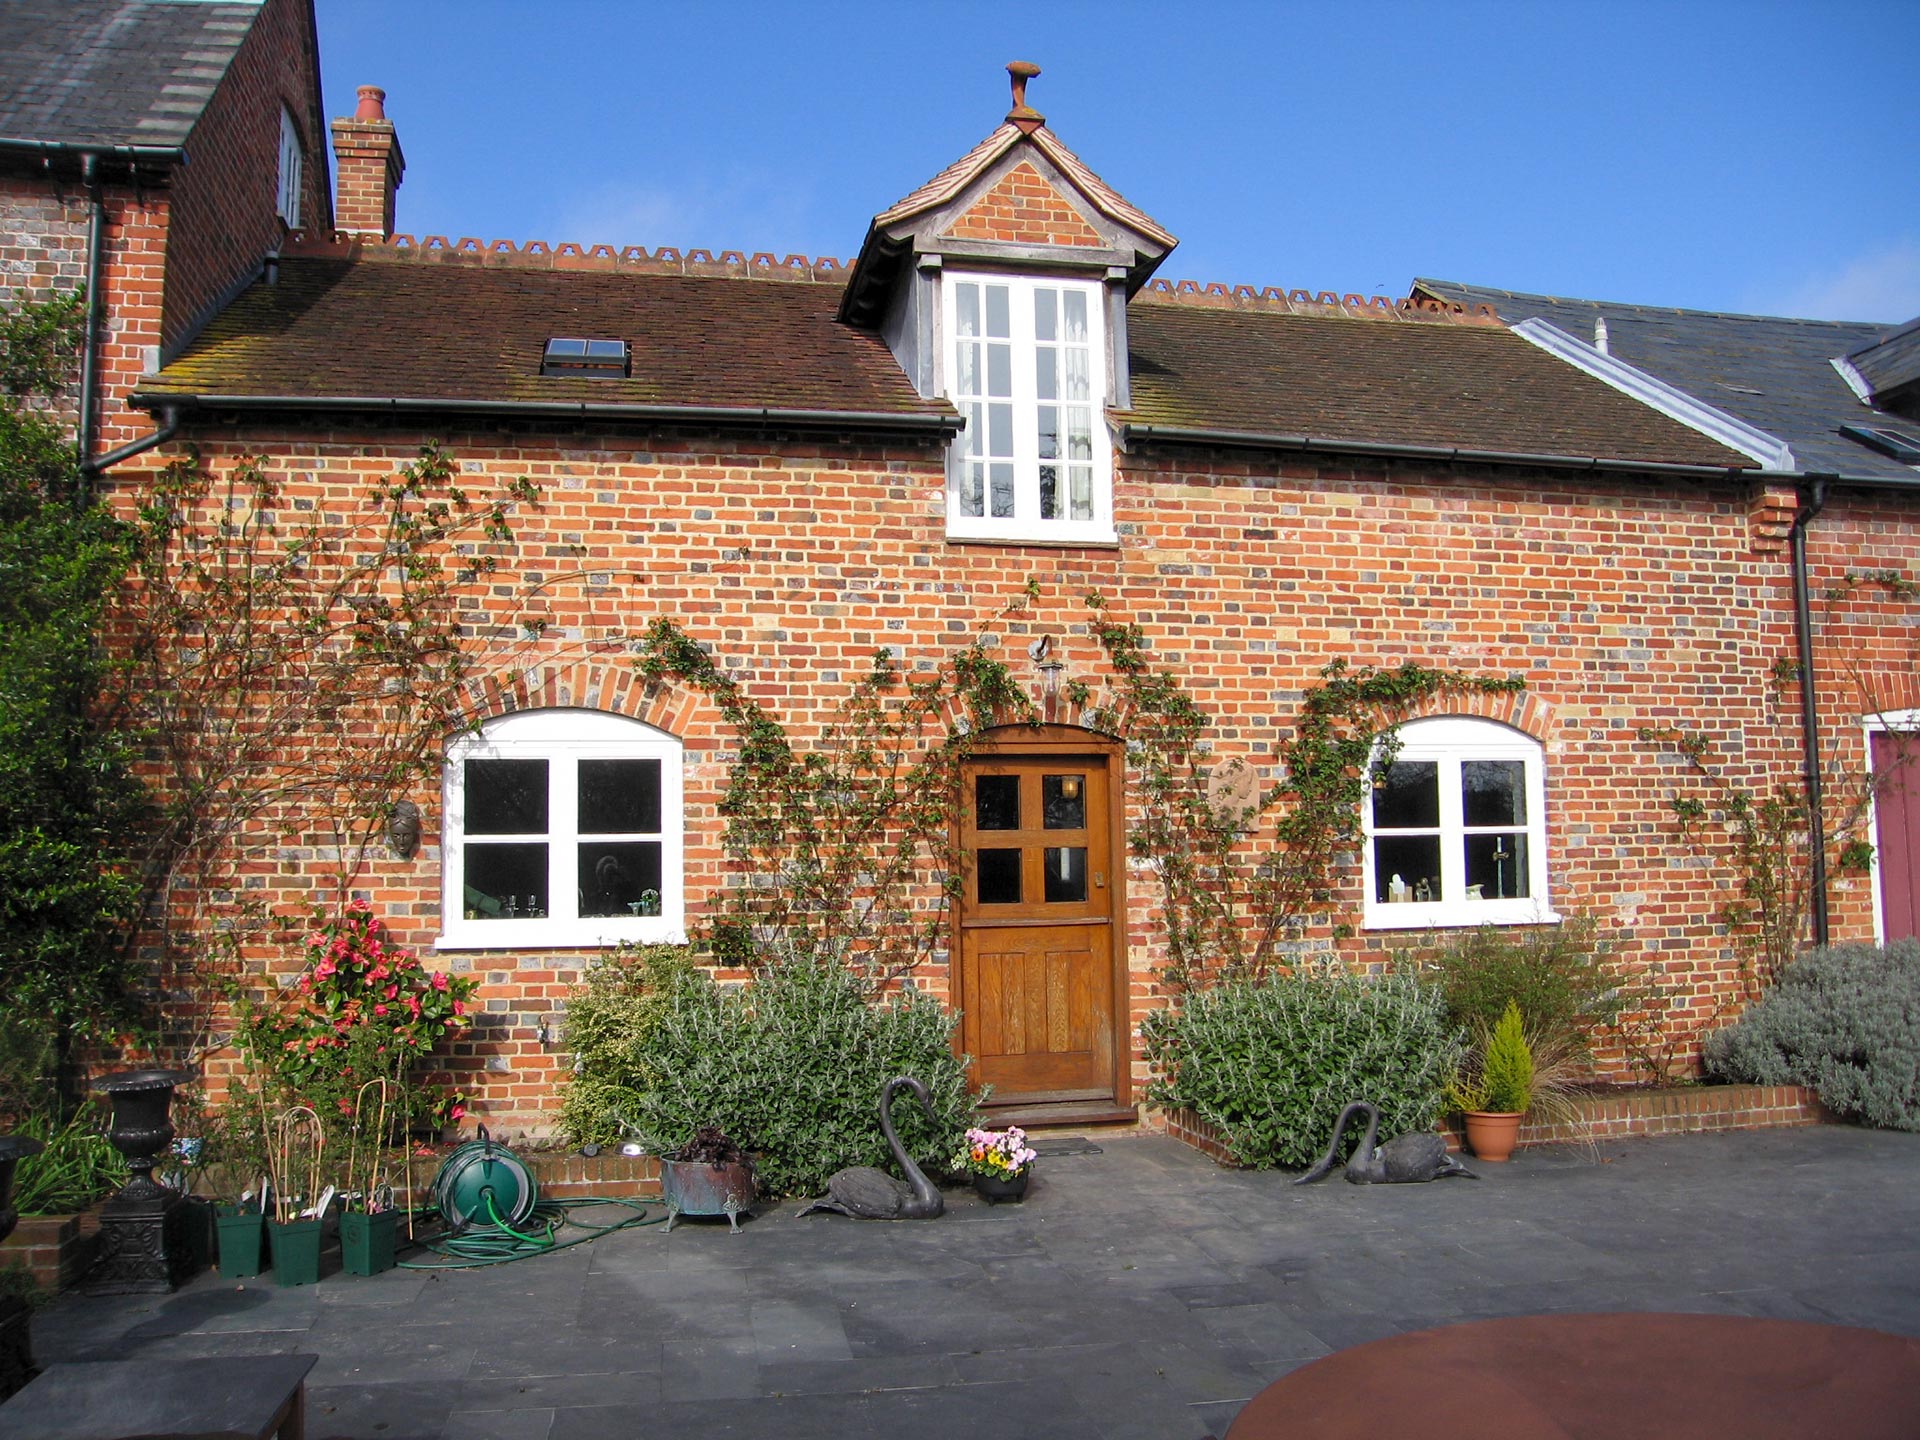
[1140,1291]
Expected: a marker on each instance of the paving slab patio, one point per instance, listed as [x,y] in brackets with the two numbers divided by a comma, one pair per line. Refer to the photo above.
[1140,1291]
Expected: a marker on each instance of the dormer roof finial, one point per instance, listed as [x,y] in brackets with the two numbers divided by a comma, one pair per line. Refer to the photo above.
[1023,115]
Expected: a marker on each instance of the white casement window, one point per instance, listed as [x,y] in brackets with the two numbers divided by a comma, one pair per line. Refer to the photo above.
[287,198]
[1027,368]
[1456,829]
[562,828]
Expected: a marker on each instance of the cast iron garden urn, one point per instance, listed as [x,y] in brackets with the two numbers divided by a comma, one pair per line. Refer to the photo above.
[144,1248]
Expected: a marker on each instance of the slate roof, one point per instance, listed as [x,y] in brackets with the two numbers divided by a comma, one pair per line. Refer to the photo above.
[113,72]
[421,331]
[1892,362]
[354,334]
[1773,372]
[1336,377]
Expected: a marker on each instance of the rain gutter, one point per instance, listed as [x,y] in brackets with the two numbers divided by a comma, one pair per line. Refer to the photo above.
[1439,454]
[764,415]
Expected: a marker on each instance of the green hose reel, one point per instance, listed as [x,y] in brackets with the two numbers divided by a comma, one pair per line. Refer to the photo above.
[482,1183]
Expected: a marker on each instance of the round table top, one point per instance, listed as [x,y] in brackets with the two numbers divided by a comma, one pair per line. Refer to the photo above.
[1619,1376]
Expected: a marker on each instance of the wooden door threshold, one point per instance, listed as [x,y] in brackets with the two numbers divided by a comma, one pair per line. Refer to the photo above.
[1051,1113]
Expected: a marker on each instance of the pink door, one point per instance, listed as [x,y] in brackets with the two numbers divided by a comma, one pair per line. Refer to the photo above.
[1896,823]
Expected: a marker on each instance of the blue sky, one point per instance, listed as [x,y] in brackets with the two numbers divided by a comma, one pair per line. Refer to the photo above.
[1745,156]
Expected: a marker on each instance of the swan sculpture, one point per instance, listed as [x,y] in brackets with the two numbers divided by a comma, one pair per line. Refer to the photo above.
[1403,1160]
[865,1193]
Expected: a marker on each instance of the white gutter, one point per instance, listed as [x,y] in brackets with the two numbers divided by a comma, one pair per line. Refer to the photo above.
[1671,401]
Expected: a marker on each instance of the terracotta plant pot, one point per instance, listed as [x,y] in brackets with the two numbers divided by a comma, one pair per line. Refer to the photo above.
[1492,1134]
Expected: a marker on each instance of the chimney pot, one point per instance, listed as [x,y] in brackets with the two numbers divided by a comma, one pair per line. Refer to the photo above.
[373,104]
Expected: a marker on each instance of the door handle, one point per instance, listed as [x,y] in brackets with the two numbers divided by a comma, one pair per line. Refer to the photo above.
[1099,879]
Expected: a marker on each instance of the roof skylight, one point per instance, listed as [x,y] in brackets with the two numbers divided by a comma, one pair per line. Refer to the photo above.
[595,359]
[1901,446]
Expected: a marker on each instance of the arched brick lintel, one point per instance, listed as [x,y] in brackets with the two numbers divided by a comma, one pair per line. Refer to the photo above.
[610,684]
[1521,709]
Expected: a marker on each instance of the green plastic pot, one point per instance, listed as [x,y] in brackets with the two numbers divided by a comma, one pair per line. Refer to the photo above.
[367,1241]
[243,1242]
[296,1251]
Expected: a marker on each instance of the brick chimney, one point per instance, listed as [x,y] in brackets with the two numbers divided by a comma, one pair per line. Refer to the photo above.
[368,166]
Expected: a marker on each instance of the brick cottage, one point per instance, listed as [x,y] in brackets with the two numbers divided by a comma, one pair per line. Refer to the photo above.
[802,461]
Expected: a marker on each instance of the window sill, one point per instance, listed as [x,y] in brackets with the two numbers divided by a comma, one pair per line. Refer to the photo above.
[1109,541]
[1462,915]
[560,934]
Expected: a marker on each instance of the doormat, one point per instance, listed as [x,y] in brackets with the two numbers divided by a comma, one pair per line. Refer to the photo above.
[1066,1145]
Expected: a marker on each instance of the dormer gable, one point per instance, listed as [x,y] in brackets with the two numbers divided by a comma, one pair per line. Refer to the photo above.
[1019,198]
[1001,285]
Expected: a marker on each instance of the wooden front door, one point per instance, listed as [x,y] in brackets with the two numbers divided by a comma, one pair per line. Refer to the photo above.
[1039,995]
[1896,825]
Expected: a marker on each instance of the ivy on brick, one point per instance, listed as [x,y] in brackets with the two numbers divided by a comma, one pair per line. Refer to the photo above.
[835,839]
[1242,878]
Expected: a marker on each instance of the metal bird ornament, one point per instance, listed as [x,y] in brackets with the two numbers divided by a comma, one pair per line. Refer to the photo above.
[865,1193]
[1403,1160]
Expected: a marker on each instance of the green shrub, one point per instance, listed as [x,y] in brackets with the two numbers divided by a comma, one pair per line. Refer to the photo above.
[1506,1071]
[1269,1062]
[791,1066]
[609,1025]
[1561,976]
[78,1166]
[1844,1020]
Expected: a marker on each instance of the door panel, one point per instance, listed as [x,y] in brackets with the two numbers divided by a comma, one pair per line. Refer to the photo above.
[1896,814]
[1036,982]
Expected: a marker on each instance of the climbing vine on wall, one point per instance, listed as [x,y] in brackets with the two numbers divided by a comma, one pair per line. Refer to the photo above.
[834,835]
[1242,869]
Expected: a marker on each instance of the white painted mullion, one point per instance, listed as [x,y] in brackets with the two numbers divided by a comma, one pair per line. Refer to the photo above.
[563,849]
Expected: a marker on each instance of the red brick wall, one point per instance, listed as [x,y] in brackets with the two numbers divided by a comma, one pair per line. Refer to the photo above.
[43,249]
[224,218]
[1624,603]
[1023,209]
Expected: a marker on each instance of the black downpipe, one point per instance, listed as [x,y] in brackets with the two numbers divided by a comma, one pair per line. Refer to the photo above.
[90,355]
[1813,502]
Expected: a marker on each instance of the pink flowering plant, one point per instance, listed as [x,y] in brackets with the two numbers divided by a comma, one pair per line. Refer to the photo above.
[996,1154]
[364,1008]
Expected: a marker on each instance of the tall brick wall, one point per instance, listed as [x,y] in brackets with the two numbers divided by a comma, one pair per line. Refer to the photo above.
[223,199]
[43,250]
[1623,602]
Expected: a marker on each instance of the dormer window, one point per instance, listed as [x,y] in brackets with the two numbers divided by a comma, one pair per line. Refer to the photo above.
[594,359]
[1026,367]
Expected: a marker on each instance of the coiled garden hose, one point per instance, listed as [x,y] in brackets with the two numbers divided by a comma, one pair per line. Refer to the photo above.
[495,1242]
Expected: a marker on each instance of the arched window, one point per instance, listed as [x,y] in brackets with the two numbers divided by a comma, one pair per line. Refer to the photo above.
[1456,829]
[562,828]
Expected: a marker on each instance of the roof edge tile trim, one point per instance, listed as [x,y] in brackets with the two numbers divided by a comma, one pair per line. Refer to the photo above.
[569,255]
[1311,302]
[1771,451]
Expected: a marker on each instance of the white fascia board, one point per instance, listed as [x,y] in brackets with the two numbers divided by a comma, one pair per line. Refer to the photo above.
[1856,382]
[1771,451]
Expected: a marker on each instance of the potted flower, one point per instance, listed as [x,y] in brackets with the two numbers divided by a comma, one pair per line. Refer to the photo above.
[709,1175]
[999,1162]
[296,1151]
[1493,1101]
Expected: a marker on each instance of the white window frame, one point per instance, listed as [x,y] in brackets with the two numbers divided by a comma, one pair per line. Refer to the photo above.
[1026,524]
[286,202]
[1897,722]
[563,738]
[1448,740]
